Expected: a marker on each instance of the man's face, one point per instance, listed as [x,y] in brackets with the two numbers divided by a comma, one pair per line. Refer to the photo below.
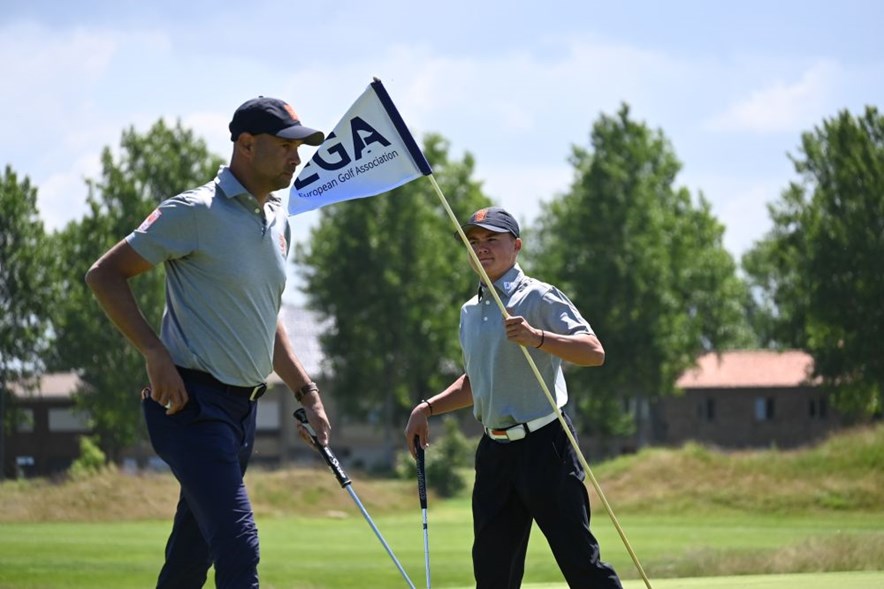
[497,252]
[274,160]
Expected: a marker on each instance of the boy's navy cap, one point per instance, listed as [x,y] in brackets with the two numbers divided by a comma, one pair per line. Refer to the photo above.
[272,116]
[493,219]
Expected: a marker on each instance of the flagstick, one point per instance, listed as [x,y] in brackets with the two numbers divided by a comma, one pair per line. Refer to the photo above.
[478,265]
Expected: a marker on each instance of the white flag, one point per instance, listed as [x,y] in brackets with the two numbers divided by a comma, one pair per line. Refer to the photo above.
[370,151]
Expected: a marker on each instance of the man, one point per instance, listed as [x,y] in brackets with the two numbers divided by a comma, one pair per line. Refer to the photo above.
[224,248]
[526,468]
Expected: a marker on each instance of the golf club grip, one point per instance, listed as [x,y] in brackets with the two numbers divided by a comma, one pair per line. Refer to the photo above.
[421,473]
[327,454]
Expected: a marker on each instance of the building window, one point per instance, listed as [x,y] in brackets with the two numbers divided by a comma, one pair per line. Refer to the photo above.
[67,420]
[818,408]
[764,408]
[706,409]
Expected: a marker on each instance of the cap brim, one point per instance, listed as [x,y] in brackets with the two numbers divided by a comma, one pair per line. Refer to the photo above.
[305,134]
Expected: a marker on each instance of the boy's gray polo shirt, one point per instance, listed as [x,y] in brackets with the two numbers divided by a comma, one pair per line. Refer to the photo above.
[505,389]
[225,273]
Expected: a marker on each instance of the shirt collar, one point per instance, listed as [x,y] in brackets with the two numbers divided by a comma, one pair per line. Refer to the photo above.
[232,188]
[229,185]
[506,284]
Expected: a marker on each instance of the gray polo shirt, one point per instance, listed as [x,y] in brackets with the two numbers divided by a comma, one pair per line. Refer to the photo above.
[225,262]
[505,389]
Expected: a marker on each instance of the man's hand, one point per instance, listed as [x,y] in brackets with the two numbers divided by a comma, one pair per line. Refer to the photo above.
[166,386]
[317,419]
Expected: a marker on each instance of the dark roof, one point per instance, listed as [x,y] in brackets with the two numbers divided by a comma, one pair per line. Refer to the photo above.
[749,369]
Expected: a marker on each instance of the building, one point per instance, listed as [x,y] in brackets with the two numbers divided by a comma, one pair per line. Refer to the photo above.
[749,399]
[46,436]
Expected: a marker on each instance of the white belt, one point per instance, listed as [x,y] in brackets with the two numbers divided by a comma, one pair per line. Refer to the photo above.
[520,430]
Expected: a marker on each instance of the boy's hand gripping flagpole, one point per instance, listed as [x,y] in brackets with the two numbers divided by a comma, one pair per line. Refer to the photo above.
[361,158]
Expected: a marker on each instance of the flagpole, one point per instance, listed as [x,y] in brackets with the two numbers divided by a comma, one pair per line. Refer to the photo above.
[478,266]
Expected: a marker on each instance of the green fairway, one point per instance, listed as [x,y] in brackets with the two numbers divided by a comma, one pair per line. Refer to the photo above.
[859,580]
[319,553]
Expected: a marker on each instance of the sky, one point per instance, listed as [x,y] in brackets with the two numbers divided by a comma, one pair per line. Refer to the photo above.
[517,84]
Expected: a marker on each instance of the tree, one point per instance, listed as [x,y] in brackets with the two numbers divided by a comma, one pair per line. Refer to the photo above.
[26,291]
[392,276]
[149,168]
[819,271]
[644,262]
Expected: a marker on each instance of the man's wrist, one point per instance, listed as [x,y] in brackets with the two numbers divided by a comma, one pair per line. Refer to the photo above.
[306,390]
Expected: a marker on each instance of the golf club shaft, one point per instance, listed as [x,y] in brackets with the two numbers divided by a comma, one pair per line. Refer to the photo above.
[335,466]
[422,495]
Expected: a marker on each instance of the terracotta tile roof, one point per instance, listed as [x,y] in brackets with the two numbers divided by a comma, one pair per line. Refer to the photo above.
[749,369]
[56,385]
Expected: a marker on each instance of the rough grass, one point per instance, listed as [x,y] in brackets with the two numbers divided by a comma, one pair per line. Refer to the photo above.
[844,473]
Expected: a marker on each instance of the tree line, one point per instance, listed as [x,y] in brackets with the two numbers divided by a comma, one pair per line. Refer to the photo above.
[642,257]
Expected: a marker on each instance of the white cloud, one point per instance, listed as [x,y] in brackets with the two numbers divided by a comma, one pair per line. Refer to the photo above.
[784,107]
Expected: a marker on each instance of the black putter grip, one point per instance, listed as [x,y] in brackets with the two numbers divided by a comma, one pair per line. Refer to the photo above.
[421,473]
[327,454]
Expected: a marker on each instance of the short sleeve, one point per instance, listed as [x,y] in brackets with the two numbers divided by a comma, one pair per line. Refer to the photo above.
[169,232]
[563,316]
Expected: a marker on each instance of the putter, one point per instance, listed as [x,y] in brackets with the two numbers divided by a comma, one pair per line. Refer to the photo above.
[422,494]
[344,480]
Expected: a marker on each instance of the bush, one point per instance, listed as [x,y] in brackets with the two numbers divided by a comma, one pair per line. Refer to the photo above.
[91,460]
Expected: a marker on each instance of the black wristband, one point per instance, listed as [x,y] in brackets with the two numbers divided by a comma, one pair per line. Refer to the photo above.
[542,338]
[430,405]
[310,387]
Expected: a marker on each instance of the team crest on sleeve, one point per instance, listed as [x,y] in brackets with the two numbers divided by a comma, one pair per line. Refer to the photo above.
[283,245]
[150,219]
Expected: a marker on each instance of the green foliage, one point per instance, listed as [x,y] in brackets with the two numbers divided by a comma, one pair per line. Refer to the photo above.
[26,292]
[818,272]
[445,460]
[149,168]
[389,273]
[90,461]
[646,265]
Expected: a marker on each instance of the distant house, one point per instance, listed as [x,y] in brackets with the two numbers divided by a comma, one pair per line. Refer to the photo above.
[749,399]
[45,437]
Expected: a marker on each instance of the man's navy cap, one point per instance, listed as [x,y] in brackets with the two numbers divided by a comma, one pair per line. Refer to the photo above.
[493,219]
[272,116]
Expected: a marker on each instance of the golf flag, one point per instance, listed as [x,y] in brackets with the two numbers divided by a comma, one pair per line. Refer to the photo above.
[370,151]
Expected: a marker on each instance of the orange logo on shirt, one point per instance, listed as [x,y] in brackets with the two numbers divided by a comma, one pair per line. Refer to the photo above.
[283,245]
[150,219]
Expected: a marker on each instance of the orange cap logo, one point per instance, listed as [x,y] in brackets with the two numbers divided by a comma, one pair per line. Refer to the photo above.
[291,111]
[480,215]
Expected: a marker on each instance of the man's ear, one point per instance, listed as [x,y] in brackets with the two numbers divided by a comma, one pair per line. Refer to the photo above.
[518,244]
[245,143]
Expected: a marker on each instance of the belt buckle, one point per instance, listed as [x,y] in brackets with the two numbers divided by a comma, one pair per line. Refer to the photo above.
[510,434]
[257,392]
[517,432]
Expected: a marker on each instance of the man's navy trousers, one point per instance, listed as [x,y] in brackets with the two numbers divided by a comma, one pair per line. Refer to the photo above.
[207,445]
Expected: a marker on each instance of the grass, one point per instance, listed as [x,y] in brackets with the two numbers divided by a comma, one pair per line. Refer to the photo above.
[687,513]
